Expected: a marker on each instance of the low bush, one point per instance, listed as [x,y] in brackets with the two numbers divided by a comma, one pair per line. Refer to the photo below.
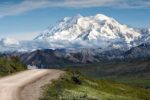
[74,86]
[9,65]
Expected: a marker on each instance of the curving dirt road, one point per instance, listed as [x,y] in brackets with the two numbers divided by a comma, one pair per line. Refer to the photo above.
[26,85]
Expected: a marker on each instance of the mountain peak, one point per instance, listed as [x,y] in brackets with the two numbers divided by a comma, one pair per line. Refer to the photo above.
[78,16]
[98,27]
[99,31]
[101,16]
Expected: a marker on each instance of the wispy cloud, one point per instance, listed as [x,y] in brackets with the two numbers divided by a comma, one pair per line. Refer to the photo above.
[7,9]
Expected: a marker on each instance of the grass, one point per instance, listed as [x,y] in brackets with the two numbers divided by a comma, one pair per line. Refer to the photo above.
[133,80]
[136,73]
[74,86]
[10,65]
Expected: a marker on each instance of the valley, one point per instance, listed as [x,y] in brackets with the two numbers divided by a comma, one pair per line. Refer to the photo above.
[78,58]
[134,73]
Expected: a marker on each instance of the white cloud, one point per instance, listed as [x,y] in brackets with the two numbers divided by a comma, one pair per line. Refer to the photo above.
[8,9]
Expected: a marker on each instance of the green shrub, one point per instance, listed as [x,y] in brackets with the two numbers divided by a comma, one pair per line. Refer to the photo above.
[74,86]
[9,65]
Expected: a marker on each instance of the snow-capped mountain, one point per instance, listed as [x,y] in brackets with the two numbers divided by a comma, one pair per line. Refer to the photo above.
[145,36]
[81,40]
[89,28]
[98,31]
[93,31]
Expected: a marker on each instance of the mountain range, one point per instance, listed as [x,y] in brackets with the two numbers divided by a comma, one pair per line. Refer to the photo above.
[82,39]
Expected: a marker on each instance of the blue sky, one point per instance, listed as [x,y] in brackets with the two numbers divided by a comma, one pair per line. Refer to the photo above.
[24,19]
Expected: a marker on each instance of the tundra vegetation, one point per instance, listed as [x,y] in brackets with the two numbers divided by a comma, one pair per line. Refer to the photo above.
[10,65]
[75,86]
